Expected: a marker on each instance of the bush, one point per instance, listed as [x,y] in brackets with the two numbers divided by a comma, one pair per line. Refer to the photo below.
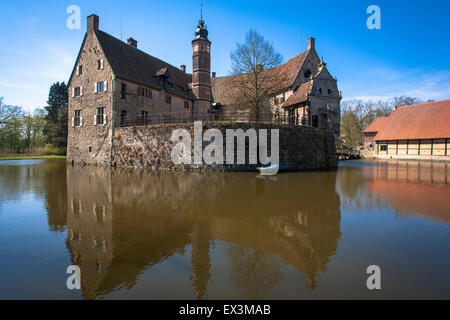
[53,150]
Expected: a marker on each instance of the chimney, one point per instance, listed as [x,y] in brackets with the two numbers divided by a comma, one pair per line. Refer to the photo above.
[311,44]
[92,23]
[132,42]
[213,74]
[183,68]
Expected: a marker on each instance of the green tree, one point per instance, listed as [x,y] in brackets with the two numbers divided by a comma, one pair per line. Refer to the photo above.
[55,128]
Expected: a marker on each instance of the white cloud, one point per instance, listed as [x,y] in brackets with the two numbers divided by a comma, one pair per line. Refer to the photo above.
[384,84]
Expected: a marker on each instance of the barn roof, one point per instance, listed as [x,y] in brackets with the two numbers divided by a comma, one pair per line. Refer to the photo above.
[422,121]
[377,125]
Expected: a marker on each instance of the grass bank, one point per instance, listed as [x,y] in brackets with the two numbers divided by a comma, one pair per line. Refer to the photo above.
[31,157]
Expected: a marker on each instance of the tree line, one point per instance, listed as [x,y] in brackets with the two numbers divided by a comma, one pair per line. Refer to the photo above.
[357,115]
[43,131]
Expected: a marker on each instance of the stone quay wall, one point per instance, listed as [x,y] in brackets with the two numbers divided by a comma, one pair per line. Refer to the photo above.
[300,148]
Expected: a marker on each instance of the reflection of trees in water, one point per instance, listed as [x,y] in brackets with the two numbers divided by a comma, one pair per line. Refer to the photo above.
[45,179]
[352,189]
[150,216]
[255,272]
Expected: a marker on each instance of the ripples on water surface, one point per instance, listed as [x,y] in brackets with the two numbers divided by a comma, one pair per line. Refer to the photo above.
[166,235]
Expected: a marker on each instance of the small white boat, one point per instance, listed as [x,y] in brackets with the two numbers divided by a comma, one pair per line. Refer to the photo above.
[271,170]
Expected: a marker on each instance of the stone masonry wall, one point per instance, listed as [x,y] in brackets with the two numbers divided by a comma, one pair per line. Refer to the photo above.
[301,148]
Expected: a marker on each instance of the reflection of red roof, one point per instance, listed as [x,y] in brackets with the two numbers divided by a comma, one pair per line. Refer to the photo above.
[428,200]
[421,121]
[377,125]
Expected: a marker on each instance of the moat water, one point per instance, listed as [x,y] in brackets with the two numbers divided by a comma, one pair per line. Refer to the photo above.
[137,234]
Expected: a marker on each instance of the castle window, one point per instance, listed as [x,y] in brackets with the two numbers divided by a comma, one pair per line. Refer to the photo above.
[319,91]
[90,149]
[186,104]
[307,73]
[100,117]
[123,117]
[168,99]
[76,120]
[315,121]
[101,86]
[79,70]
[330,92]
[100,64]
[123,92]
[144,117]
[76,92]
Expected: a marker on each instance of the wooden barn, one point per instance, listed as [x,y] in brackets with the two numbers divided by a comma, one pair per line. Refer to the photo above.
[419,131]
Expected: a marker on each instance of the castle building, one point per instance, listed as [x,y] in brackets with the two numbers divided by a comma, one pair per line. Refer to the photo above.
[114,84]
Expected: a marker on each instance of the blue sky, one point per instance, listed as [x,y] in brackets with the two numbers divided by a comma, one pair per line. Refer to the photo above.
[409,55]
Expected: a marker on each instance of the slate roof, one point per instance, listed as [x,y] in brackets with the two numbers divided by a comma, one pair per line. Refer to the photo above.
[132,64]
[377,125]
[421,121]
[283,77]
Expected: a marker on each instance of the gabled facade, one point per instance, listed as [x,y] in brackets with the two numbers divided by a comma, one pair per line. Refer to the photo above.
[305,93]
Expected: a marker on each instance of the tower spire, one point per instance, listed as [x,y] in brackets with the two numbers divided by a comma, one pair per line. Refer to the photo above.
[201,11]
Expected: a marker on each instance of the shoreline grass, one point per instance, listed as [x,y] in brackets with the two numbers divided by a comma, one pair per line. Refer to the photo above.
[31,157]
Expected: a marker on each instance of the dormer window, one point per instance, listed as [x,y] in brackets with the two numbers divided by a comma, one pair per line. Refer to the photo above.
[307,73]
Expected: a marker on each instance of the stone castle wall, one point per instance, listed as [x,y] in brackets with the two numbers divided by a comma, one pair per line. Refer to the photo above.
[301,148]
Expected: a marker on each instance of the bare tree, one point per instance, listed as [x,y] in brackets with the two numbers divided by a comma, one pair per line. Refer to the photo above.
[254,80]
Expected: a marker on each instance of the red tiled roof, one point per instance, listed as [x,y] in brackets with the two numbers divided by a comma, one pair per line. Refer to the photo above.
[300,95]
[377,125]
[422,121]
[284,76]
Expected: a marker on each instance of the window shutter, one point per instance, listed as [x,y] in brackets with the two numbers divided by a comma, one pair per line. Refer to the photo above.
[73,92]
[81,91]
[78,70]
[95,119]
[81,121]
[104,119]
[95,87]
[106,85]
[101,64]
[73,122]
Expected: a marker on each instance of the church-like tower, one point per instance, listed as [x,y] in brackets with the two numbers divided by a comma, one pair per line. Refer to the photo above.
[201,68]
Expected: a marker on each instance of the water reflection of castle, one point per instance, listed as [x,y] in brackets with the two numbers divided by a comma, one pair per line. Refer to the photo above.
[122,222]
